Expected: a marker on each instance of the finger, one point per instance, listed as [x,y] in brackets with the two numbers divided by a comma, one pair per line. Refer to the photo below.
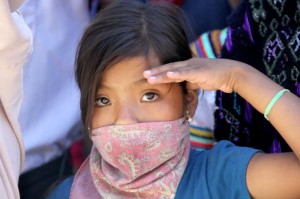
[189,74]
[162,78]
[164,68]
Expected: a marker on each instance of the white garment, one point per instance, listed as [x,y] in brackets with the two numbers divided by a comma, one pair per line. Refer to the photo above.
[50,113]
[204,115]
[15,47]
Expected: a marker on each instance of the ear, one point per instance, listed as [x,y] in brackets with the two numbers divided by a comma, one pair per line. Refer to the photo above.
[191,99]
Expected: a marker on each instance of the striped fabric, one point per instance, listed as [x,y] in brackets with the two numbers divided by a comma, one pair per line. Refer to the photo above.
[208,45]
[201,138]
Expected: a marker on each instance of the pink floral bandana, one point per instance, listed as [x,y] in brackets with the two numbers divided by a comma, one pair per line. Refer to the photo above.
[144,160]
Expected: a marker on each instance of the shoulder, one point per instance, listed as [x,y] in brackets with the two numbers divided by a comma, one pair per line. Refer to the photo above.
[62,190]
[222,151]
[224,155]
[217,171]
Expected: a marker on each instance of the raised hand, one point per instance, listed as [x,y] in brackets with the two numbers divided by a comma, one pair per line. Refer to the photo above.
[199,73]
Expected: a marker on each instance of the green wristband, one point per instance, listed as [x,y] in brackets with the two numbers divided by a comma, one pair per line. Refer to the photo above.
[273,101]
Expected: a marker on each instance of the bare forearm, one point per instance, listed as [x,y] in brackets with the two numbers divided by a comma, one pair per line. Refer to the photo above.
[258,90]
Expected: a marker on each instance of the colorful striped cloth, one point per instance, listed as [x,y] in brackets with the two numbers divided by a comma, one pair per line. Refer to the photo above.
[201,138]
[208,45]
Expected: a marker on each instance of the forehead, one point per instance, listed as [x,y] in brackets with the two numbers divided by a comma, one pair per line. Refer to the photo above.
[132,67]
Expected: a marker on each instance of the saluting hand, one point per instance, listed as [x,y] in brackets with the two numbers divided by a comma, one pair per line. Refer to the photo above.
[199,73]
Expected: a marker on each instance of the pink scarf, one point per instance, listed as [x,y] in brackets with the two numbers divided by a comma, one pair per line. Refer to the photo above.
[144,160]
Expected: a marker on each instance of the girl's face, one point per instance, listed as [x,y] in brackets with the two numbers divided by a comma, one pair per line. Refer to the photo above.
[125,97]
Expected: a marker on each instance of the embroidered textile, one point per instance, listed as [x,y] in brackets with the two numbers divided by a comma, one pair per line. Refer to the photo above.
[266,35]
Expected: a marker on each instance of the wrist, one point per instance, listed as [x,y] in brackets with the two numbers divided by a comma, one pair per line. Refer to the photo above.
[240,73]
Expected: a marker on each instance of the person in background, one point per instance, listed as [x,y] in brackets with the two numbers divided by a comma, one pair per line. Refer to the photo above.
[50,114]
[202,16]
[207,15]
[15,47]
[265,35]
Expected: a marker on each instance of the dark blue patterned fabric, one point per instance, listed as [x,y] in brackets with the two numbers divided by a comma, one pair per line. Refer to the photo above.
[266,35]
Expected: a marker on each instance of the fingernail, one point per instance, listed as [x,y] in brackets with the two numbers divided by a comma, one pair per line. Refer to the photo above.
[147,72]
[170,73]
[151,78]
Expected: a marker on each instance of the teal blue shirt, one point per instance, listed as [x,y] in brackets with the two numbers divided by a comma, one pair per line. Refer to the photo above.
[216,173]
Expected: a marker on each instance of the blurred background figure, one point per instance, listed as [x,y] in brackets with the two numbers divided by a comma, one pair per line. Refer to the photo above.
[50,115]
[265,35]
[15,47]
[207,15]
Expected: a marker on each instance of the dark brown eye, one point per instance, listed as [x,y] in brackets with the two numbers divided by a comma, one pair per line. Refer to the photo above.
[148,97]
[102,101]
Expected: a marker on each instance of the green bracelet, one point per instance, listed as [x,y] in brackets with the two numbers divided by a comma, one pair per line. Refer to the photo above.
[273,101]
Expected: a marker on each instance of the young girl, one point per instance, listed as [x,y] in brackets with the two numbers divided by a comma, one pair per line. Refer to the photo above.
[137,115]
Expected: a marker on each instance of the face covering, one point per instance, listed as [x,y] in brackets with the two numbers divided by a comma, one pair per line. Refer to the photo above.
[143,160]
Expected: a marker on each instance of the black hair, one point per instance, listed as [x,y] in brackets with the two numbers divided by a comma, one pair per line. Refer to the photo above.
[127,29]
